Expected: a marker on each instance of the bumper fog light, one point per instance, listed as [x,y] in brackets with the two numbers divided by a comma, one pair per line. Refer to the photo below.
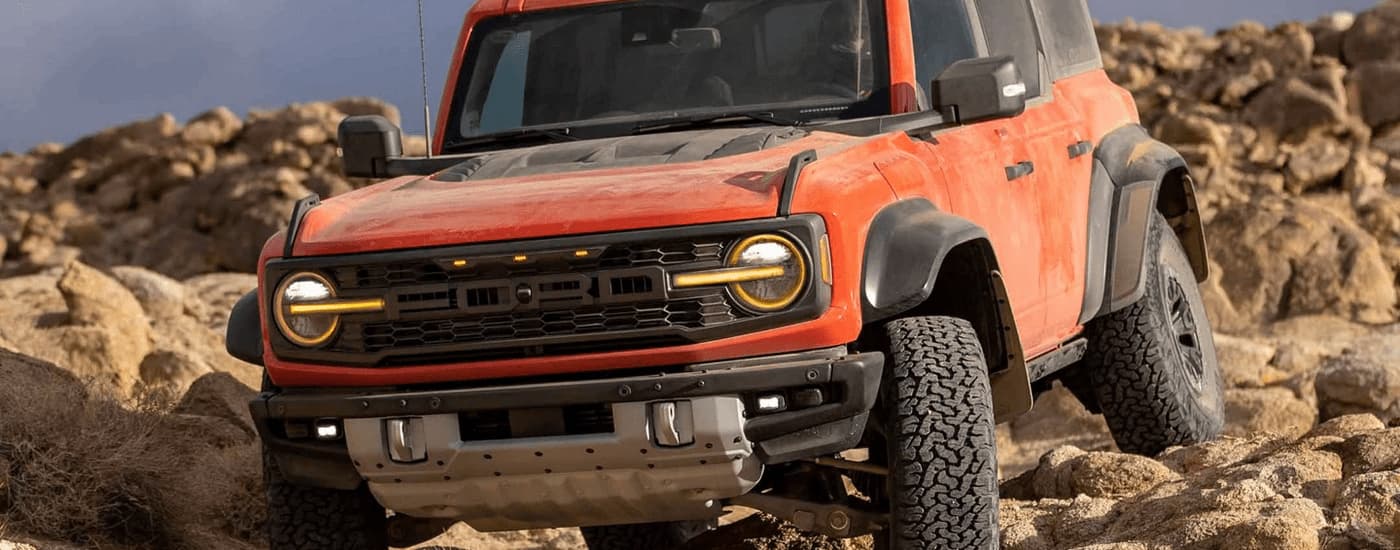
[768,404]
[327,429]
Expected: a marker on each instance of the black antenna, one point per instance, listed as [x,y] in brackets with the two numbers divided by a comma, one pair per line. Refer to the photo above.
[423,68]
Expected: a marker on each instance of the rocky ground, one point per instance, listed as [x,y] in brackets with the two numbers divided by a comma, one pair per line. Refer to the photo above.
[122,421]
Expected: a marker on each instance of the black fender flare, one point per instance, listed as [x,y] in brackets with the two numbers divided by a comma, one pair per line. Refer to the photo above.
[1135,176]
[907,243]
[912,247]
[243,338]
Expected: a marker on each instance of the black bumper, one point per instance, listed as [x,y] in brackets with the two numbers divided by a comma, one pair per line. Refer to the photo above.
[777,438]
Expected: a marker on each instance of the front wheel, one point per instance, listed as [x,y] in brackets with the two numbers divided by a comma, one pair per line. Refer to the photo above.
[303,518]
[1153,366]
[939,433]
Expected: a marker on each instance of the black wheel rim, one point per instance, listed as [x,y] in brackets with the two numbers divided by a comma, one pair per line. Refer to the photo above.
[1185,331]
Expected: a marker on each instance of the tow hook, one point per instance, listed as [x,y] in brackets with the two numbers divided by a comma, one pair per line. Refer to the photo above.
[405,440]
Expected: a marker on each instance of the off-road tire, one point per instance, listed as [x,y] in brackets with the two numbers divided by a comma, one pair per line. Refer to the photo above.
[1153,365]
[663,536]
[307,517]
[940,437]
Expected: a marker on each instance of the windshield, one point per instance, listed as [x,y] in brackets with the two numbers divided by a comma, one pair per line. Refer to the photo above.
[653,60]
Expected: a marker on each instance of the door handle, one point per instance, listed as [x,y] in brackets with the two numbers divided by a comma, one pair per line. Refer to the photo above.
[1080,149]
[1020,170]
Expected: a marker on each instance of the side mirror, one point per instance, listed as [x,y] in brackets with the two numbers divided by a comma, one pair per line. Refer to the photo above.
[366,145]
[974,90]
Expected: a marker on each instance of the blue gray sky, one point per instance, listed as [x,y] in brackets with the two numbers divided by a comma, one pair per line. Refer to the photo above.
[71,67]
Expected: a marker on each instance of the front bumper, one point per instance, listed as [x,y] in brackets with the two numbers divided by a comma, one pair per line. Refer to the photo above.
[578,479]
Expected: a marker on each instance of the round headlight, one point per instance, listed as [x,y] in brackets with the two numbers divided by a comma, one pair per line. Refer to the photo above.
[303,329]
[775,293]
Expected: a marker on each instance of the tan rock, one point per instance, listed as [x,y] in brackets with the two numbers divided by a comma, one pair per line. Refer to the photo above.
[1348,426]
[1360,383]
[356,106]
[209,430]
[172,369]
[1329,31]
[160,296]
[1247,363]
[1220,453]
[1292,258]
[93,298]
[1371,502]
[191,338]
[213,296]
[1365,173]
[1270,533]
[1269,410]
[214,127]
[109,356]
[1112,474]
[1316,162]
[109,335]
[1371,452]
[1374,35]
[220,396]
[1373,85]
[1292,109]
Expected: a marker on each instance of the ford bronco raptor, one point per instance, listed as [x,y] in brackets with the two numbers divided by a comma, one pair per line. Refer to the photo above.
[675,256]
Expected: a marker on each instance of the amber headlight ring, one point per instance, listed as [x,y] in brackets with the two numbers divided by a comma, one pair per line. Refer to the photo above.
[281,304]
[772,294]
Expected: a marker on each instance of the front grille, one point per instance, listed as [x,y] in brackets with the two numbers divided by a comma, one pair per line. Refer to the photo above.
[539,298]
[707,310]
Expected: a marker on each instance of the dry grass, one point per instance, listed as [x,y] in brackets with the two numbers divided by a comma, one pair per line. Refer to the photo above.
[79,466]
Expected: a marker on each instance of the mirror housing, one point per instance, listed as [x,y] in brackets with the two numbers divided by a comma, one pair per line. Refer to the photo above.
[366,144]
[975,90]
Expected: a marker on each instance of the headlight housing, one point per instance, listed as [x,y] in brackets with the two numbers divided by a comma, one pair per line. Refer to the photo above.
[305,329]
[770,293]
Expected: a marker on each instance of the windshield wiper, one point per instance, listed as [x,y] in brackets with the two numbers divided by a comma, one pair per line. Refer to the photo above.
[552,134]
[706,120]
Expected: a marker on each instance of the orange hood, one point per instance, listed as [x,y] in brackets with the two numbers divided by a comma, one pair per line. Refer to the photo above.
[593,186]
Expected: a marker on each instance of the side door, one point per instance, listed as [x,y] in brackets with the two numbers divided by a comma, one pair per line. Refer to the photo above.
[974,160]
[1064,140]
[1008,28]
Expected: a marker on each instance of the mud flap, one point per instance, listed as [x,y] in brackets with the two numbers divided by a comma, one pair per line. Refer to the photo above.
[1011,388]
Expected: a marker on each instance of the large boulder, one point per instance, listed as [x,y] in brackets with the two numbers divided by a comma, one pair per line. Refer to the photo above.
[1067,473]
[107,334]
[1368,508]
[1371,451]
[1374,35]
[1294,108]
[1373,86]
[1363,380]
[1290,257]
[219,395]
[161,297]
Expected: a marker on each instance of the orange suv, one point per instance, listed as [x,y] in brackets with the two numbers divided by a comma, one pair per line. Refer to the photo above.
[673,256]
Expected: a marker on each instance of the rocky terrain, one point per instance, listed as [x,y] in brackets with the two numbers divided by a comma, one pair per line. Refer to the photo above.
[122,422]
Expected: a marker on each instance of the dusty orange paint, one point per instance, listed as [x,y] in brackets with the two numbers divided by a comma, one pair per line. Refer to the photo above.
[1038,224]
